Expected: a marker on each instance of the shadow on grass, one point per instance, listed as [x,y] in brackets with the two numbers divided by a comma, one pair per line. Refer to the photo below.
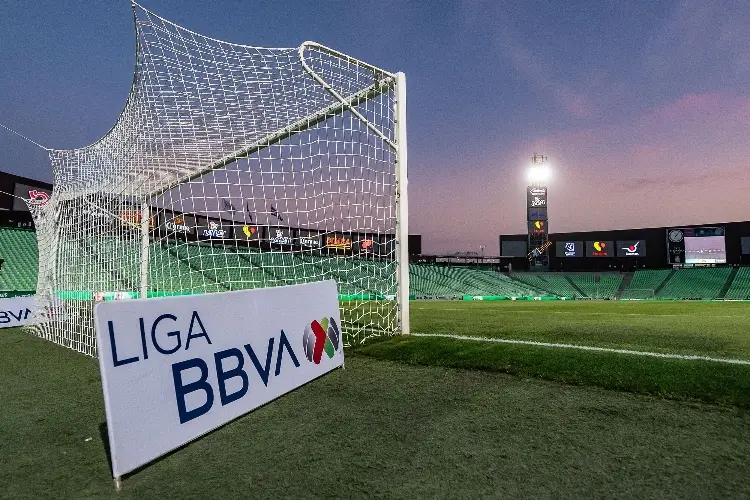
[690,380]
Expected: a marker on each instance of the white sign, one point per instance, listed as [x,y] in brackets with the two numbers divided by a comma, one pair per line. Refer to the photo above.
[15,311]
[175,368]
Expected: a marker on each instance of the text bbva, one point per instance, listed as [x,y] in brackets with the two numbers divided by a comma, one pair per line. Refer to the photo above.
[229,363]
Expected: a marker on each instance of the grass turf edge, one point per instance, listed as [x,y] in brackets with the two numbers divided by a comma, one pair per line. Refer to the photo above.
[688,380]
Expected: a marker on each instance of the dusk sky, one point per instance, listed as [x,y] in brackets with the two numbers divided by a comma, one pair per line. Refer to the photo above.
[643,108]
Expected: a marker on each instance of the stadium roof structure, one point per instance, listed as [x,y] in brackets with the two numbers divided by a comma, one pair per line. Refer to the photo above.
[197,104]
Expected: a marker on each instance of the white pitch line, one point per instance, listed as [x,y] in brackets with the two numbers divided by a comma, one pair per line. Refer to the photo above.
[583,313]
[587,348]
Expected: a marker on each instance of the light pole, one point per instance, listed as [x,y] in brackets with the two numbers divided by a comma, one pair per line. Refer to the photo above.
[537,216]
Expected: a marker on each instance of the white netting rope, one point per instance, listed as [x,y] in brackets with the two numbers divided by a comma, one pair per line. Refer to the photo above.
[256,167]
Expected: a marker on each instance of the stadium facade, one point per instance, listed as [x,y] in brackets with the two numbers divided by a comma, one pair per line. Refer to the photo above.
[721,243]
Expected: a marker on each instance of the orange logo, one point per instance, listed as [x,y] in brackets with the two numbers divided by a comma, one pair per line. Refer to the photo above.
[339,243]
[599,246]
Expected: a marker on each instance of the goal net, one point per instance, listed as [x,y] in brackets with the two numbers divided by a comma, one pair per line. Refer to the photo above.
[232,167]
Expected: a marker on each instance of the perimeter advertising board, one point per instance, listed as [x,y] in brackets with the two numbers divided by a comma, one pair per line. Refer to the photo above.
[15,311]
[175,368]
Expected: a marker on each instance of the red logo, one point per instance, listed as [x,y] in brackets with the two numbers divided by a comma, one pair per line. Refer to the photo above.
[38,196]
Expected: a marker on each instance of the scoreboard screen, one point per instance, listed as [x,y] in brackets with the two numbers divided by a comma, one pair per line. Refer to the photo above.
[696,245]
[705,250]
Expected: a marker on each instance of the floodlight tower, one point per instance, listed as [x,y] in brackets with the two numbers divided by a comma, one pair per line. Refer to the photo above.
[536,211]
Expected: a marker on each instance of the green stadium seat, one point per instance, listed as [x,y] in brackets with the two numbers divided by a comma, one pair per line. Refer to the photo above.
[696,283]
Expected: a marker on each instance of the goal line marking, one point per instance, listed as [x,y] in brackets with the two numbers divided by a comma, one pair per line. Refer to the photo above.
[587,348]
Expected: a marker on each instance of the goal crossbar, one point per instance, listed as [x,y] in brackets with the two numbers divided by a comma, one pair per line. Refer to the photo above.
[298,126]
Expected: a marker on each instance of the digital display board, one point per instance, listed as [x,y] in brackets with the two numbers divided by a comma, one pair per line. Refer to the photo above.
[538,227]
[631,248]
[131,219]
[705,250]
[338,241]
[29,192]
[600,249]
[180,225]
[539,213]
[745,245]
[214,229]
[569,249]
[309,240]
[248,232]
[536,197]
[280,236]
[367,244]
[696,245]
[513,248]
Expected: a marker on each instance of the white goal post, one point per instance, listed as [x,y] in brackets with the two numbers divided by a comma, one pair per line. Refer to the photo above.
[233,167]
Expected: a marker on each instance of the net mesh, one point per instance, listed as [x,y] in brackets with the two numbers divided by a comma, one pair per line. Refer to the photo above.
[230,167]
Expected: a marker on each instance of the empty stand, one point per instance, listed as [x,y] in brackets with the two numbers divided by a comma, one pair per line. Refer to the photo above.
[697,283]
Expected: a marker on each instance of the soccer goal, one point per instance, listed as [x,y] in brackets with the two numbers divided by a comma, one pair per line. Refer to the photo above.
[232,167]
[638,294]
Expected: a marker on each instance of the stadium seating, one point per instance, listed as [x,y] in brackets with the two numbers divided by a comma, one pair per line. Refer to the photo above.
[548,284]
[177,266]
[18,248]
[605,288]
[432,281]
[740,288]
[645,282]
[697,283]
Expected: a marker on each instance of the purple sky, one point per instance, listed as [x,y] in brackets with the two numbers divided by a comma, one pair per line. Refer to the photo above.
[643,109]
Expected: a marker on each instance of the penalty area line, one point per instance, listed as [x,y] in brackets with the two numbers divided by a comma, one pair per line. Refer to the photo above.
[689,357]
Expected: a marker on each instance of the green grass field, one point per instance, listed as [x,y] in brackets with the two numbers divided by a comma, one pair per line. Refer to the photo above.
[418,417]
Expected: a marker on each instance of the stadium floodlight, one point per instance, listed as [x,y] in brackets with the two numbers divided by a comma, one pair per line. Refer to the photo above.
[232,167]
[539,174]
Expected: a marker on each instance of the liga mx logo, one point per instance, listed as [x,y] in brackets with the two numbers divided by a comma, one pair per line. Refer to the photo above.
[319,337]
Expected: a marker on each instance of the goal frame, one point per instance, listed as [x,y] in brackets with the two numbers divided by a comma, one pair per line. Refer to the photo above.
[344,104]
[135,170]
